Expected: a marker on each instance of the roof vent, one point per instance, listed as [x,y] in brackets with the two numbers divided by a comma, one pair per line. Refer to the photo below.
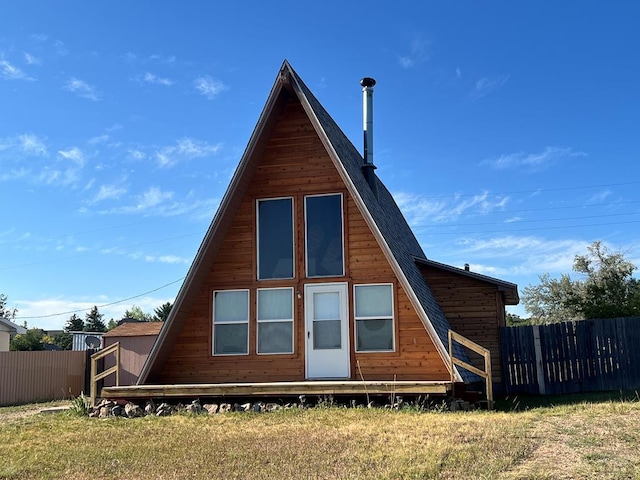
[466,267]
[367,114]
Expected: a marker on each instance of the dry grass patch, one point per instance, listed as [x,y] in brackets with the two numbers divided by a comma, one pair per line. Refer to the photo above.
[586,441]
[320,443]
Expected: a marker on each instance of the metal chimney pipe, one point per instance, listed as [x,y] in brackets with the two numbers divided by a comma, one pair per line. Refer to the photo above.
[367,117]
[367,114]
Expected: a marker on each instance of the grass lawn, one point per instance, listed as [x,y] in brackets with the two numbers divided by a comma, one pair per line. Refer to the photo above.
[590,439]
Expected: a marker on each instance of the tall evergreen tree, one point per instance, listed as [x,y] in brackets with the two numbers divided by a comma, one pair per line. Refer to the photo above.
[162,312]
[93,321]
[74,324]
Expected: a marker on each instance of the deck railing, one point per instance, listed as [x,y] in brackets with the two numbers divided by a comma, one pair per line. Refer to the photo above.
[95,376]
[486,354]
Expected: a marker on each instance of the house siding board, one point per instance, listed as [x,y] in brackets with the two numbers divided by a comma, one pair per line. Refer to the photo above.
[279,173]
[474,309]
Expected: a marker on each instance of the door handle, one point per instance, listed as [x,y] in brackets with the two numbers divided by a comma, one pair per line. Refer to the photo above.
[309,334]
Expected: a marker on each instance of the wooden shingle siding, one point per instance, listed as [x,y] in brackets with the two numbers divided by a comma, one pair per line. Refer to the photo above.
[474,308]
[294,164]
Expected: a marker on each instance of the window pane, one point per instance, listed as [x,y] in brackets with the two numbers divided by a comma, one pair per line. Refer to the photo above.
[326,306]
[231,306]
[275,304]
[275,238]
[324,236]
[275,337]
[375,334]
[326,334]
[374,301]
[230,339]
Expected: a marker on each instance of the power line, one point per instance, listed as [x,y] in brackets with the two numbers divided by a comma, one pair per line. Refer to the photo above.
[100,306]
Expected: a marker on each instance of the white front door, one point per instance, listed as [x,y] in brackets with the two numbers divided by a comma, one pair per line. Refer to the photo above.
[327,330]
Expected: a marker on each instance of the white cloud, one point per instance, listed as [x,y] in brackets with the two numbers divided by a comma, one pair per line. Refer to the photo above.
[11,72]
[109,192]
[185,149]
[208,87]
[32,145]
[486,85]
[137,154]
[421,210]
[532,160]
[74,154]
[418,53]
[82,89]
[152,79]
[169,259]
[30,59]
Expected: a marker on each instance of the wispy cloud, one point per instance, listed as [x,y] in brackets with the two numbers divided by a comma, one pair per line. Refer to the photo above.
[486,85]
[74,154]
[418,53]
[169,259]
[82,89]
[11,72]
[209,87]
[109,192]
[184,149]
[32,145]
[421,210]
[150,78]
[532,160]
[31,59]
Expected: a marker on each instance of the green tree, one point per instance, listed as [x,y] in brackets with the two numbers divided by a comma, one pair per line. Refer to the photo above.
[162,312]
[607,289]
[32,340]
[112,324]
[74,324]
[514,320]
[93,321]
[63,340]
[6,312]
[137,314]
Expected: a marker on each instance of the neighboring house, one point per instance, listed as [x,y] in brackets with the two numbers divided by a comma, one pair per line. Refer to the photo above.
[136,340]
[7,330]
[310,272]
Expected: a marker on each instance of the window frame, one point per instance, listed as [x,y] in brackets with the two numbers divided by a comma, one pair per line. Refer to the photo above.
[342,230]
[293,238]
[214,323]
[292,321]
[376,317]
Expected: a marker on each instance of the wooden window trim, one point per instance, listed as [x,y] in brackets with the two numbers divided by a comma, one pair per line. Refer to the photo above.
[247,323]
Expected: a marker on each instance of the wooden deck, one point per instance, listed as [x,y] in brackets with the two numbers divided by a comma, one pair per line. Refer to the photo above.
[277,389]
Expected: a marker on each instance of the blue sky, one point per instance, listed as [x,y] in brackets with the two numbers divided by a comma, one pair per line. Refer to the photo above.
[507,131]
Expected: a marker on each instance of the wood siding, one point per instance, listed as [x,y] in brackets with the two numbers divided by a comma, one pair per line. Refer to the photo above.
[475,309]
[295,164]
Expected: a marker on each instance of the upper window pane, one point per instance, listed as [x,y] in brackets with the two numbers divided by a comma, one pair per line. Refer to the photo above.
[374,301]
[275,304]
[231,306]
[324,240]
[275,238]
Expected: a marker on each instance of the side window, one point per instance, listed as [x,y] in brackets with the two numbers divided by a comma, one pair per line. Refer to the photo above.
[324,240]
[374,318]
[275,320]
[275,238]
[231,322]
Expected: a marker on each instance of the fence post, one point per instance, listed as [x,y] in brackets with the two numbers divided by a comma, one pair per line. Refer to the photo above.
[539,364]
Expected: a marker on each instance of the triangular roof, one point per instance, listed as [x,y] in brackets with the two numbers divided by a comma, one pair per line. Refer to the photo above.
[380,212]
[11,327]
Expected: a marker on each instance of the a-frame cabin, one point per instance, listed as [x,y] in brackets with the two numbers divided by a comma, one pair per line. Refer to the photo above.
[309,279]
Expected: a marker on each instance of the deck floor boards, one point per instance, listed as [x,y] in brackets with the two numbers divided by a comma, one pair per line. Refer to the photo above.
[324,387]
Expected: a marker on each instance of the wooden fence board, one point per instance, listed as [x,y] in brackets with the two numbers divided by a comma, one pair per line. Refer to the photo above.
[588,355]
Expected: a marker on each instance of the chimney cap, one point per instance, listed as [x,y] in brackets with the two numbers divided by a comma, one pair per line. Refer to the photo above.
[367,82]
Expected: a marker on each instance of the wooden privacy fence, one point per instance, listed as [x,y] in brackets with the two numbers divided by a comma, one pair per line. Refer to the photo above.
[38,376]
[569,357]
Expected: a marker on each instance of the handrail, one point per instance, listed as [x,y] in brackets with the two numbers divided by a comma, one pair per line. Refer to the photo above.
[486,374]
[95,376]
